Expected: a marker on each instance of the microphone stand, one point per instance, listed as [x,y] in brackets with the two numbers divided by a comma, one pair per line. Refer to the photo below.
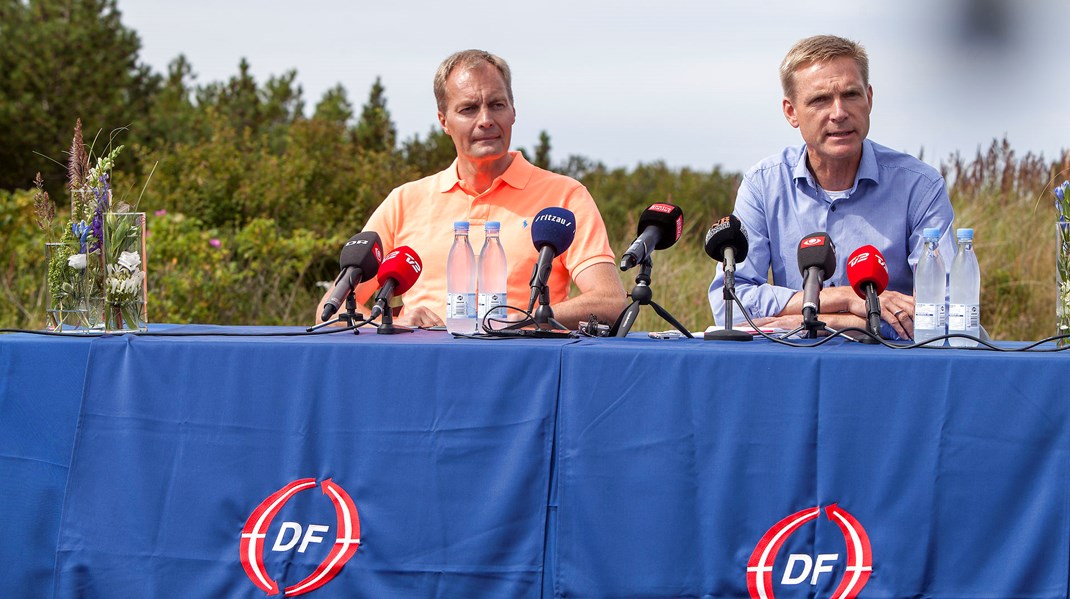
[543,317]
[349,317]
[728,334]
[643,295]
[386,326]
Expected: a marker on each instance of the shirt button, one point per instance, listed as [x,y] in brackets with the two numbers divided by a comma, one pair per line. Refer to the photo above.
[833,209]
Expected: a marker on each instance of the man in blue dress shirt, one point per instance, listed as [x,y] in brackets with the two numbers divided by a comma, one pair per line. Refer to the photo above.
[839,182]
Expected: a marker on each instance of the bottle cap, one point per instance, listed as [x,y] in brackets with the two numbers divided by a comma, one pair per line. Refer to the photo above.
[932,233]
[493,225]
[964,234]
[461,225]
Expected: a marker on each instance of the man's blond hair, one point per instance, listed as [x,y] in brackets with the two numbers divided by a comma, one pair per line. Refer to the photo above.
[821,48]
[469,59]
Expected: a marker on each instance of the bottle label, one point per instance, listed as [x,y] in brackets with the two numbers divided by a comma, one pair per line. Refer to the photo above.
[963,317]
[489,301]
[929,316]
[460,305]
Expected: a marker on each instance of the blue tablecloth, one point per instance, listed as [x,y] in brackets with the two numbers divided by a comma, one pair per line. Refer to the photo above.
[220,466]
[676,458]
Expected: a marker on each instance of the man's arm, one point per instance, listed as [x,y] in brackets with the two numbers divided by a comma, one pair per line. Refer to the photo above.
[838,303]
[601,294]
[758,296]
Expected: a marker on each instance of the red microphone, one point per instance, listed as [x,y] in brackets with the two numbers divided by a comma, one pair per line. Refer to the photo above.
[397,274]
[868,274]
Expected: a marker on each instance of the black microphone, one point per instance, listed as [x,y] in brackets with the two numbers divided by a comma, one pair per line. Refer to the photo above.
[817,262]
[552,232]
[726,241]
[359,261]
[659,228]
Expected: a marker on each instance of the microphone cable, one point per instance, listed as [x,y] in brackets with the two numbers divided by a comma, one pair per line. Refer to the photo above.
[988,346]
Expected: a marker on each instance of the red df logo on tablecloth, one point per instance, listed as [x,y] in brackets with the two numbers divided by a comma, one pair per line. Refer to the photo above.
[254,535]
[801,566]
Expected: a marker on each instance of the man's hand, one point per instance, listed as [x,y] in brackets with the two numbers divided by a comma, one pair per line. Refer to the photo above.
[897,309]
[418,316]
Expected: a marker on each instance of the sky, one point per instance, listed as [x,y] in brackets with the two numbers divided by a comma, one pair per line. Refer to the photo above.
[693,84]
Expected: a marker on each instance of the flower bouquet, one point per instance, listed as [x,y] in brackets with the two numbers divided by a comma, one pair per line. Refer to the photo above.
[1062,259]
[96,269]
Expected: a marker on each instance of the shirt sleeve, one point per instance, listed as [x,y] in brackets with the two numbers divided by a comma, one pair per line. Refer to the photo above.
[591,244]
[932,210]
[758,296]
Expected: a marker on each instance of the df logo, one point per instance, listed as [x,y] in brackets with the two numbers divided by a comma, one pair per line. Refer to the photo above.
[799,566]
[254,536]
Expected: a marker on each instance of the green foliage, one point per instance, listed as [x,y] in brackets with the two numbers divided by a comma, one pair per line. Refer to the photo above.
[431,154]
[60,60]
[264,274]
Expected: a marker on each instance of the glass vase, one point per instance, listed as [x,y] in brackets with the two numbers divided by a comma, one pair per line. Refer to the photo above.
[125,283]
[1062,280]
[65,307]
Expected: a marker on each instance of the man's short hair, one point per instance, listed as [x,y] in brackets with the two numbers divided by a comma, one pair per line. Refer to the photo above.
[820,48]
[469,59]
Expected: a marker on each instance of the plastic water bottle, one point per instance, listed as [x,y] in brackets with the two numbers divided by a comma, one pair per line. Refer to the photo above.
[965,298]
[930,291]
[461,283]
[492,274]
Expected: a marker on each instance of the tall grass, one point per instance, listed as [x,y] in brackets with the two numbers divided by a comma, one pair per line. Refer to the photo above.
[1005,198]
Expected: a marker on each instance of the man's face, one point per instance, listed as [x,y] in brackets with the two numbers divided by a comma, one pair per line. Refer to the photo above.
[479,116]
[831,109]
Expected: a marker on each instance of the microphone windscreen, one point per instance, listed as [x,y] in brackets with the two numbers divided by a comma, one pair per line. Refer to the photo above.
[817,249]
[554,227]
[403,265]
[364,251]
[727,233]
[866,265]
[669,220]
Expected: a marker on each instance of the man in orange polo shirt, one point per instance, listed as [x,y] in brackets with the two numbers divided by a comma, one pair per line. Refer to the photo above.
[487,182]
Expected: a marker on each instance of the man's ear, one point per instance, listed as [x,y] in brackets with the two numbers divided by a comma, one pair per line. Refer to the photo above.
[789,113]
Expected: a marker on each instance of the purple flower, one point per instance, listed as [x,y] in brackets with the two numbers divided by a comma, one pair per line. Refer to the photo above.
[214,242]
[1060,192]
[160,212]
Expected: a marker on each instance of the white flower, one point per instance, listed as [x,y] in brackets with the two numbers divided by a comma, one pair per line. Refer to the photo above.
[76,261]
[130,260]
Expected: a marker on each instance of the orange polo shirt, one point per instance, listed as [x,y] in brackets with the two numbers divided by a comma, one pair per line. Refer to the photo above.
[421,214]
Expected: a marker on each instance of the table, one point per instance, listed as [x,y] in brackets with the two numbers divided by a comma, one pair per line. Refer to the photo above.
[178,466]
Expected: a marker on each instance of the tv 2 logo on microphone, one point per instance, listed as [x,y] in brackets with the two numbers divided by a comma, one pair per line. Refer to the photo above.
[865,256]
[802,567]
[293,533]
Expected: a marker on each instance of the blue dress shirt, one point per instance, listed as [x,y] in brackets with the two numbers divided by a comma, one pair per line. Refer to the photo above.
[894,198]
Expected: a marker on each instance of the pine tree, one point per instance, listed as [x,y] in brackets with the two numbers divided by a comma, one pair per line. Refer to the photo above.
[542,151]
[374,131]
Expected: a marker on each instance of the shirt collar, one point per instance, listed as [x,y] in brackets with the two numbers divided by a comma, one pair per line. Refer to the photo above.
[516,176]
[867,167]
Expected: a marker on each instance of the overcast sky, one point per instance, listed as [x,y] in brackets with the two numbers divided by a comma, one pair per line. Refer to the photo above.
[691,83]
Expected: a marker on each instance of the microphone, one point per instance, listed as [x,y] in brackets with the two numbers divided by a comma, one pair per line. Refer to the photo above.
[659,228]
[359,261]
[817,262]
[552,232]
[398,273]
[868,274]
[726,241]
